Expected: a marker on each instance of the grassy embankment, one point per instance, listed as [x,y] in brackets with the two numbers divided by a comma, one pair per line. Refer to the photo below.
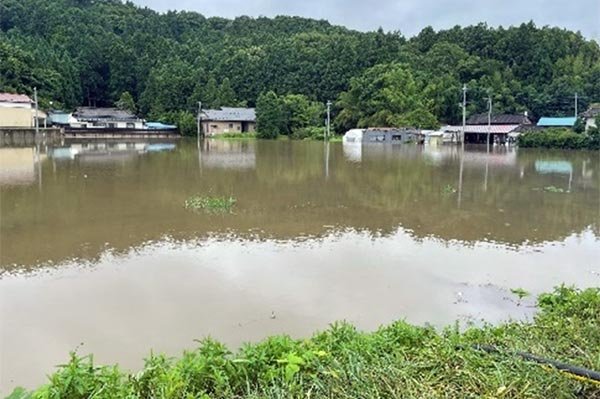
[561,138]
[399,360]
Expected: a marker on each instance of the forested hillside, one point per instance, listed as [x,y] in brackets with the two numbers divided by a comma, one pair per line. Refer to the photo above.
[80,52]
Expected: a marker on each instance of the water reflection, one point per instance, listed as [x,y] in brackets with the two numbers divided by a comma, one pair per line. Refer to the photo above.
[119,195]
[320,232]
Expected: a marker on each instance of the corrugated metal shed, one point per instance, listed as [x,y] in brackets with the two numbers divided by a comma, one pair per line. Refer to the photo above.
[59,118]
[557,122]
[229,114]
[159,125]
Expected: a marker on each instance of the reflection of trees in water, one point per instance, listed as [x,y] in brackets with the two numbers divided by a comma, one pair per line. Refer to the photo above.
[83,208]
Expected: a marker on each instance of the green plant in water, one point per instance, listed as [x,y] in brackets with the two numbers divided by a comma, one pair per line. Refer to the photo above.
[521,293]
[448,189]
[210,204]
[553,189]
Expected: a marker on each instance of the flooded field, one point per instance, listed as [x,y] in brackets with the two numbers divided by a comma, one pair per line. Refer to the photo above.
[97,251]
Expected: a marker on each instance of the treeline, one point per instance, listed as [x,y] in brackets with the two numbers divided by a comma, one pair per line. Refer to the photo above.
[91,52]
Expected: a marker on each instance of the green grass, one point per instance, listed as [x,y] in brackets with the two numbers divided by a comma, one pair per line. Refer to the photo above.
[396,361]
[235,136]
[209,204]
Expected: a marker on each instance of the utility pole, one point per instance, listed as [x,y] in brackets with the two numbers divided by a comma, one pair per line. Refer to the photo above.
[489,120]
[464,115]
[328,132]
[576,105]
[37,121]
[199,117]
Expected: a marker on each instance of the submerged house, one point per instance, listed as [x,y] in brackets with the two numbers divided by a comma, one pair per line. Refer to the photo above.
[382,135]
[105,118]
[228,120]
[500,127]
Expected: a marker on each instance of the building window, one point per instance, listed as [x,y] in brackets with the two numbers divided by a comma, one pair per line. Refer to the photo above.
[231,125]
[112,125]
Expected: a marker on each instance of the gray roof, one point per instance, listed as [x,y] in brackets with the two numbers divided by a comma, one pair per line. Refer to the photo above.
[93,114]
[505,119]
[592,112]
[228,114]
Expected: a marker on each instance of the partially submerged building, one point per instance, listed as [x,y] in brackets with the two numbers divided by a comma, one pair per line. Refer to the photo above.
[228,120]
[391,135]
[17,111]
[499,127]
[105,118]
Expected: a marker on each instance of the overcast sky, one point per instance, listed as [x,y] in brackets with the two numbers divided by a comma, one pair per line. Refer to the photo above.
[407,16]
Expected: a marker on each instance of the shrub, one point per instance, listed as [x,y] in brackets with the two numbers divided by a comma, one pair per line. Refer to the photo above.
[559,138]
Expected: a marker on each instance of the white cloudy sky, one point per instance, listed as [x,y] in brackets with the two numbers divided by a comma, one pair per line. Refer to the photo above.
[408,16]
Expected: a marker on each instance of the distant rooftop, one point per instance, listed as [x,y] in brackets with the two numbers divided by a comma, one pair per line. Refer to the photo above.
[494,129]
[592,111]
[557,122]
[15,98]
[94,114]
[229,114]
[504,119]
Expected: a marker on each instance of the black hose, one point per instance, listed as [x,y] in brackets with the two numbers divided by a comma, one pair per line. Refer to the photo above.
[579,372]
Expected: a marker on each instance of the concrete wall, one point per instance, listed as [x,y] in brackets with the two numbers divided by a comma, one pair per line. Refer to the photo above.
[589,123]
[212,128]
[16,117]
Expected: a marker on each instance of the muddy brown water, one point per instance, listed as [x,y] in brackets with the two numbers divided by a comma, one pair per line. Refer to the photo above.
[98,253]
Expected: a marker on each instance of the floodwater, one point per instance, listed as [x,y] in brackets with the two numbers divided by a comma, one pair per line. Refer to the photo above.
[99,254]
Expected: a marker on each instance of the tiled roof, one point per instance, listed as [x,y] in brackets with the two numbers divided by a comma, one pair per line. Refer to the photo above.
[483,128]
[228,114]
[505,119]
[548,122]
[14,98]
[92,113]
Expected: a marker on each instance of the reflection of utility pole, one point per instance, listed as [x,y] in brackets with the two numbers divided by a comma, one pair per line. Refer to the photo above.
[199,117]
[326,160]
[464,114]
[576,105]
[489,121]
[460,177]
[37,121]
[328,132]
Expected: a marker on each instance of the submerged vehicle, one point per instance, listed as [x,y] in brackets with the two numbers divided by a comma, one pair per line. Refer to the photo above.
[383,135]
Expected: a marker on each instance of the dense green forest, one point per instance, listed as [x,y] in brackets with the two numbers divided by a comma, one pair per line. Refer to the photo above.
[97,52]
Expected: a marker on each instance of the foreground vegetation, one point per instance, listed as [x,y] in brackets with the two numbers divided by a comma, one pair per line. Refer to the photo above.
[104,52]
[398,360]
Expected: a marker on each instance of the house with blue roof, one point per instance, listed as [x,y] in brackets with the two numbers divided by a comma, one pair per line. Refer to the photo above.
[557,122]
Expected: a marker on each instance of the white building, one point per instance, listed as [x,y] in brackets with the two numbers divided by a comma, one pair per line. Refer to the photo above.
[105,118]
[590,116]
